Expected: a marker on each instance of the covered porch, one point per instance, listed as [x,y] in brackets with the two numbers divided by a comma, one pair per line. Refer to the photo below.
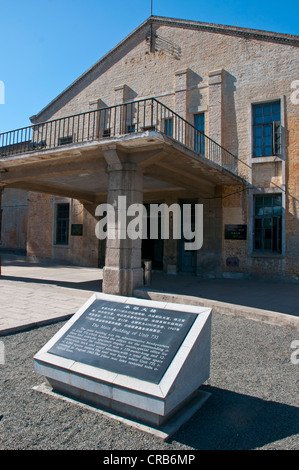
[141,150]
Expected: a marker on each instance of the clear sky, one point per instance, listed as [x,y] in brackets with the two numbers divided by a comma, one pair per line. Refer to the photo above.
[46,44]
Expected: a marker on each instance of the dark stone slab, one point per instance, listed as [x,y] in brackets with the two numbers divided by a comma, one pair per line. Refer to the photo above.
[77,229]
[235,232]
[138,341]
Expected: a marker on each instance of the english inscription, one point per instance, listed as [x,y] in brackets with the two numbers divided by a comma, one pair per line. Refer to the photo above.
[124,338]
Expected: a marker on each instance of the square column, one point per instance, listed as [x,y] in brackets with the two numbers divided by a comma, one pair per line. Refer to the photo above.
[123,272]
[215,105]
[181,92]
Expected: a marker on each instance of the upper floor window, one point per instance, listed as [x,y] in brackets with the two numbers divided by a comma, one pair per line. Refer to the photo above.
[266,129]
[65,140]
[130,128]
[168,126]
[199,123]
[106,132]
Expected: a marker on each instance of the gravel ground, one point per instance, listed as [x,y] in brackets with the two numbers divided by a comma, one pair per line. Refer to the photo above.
[254,402]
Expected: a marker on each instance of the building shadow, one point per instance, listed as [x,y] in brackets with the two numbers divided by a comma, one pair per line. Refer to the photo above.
[234,421]
[93,285]
[261,293]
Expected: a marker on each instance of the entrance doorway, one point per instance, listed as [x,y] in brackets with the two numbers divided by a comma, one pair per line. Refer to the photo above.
[187,258]
[153,249]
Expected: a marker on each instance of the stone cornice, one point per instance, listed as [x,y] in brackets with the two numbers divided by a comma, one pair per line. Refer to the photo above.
[282,38]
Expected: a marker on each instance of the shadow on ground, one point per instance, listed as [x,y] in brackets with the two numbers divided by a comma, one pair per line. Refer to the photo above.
[94,285]
[233,421]
[273,295]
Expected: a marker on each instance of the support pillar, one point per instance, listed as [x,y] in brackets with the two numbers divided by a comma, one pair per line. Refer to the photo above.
[122,272]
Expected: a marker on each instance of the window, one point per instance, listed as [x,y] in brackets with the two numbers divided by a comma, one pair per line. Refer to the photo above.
[130,128]
[65,140]
[168,126]
[266,129]
[199,141]
[267,223]
[62,224]
[106,132]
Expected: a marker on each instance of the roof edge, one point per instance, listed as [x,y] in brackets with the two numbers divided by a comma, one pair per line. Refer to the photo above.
[226,29]
[282,38]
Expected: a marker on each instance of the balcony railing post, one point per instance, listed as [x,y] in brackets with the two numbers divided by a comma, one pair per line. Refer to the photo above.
[152,110]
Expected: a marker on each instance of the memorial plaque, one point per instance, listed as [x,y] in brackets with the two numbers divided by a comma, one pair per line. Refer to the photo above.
[134,340]
[125,339]
[77,229]
[235,232]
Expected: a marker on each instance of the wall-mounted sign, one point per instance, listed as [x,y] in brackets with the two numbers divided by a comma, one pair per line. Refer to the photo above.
[77,229]
[235,232]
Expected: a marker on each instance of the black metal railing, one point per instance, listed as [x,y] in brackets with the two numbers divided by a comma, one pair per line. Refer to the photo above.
[115,121]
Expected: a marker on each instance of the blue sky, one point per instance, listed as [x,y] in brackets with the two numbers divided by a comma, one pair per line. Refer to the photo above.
[46,44]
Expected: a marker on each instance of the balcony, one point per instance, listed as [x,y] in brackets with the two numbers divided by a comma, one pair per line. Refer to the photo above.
[121,121]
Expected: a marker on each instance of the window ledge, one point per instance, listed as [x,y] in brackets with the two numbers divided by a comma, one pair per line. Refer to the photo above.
[270,159]
[265,254]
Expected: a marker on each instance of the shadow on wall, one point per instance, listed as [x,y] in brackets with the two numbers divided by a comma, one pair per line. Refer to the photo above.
[229,121]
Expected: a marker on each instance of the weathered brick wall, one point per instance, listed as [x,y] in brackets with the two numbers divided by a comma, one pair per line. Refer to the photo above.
[14,205]
[234,203]
[292,196]
[81,250]
[247,71]
[253,71]
[40,225]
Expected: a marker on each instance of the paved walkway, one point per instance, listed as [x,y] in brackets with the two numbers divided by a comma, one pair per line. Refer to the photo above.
[34,293]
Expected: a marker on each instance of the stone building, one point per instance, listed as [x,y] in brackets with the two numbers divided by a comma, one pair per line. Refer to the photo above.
[178,112]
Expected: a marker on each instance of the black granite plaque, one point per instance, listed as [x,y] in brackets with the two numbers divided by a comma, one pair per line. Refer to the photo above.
[235,232]
[138,341]
[77,229]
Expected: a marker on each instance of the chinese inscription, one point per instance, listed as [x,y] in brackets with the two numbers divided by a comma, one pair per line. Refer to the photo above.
[129,339]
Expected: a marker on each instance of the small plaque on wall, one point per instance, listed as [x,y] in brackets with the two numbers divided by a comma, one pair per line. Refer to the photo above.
[235,232]
[77,229]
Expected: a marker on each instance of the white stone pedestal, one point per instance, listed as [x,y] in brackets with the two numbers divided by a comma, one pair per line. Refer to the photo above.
[146,402]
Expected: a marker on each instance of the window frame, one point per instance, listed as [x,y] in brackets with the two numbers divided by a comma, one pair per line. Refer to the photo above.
[253,126]
[66,140]
[199,139]
[57,203]
[131,128]
[279,218]
[168,126]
